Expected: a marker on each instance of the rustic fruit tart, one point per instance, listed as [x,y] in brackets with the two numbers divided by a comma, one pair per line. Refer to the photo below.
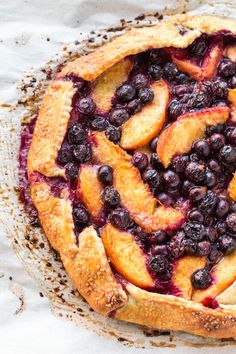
[130,164]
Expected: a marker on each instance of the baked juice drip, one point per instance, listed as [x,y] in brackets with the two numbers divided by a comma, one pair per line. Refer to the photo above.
[149,154]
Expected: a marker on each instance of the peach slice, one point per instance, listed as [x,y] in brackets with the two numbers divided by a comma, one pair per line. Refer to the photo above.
[145,125]
[232,100]
[90,189]
[230,52]
[228,297]
[135,194]
[224,274]
[126,256]
[179,136]
[182,272]
[232,188]
[208,68]
[103,88]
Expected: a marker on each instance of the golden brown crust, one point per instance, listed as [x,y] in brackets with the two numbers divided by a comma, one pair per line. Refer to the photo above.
[174,313]
[87,264]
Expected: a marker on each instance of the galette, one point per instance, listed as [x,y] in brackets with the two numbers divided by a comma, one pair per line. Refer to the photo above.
[131,164]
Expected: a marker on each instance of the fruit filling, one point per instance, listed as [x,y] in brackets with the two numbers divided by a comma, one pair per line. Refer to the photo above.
[150,154]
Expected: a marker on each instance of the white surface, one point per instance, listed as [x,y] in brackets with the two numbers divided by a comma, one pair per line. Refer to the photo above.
[24,29]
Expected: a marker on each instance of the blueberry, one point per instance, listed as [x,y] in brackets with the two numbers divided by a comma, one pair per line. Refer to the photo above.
[140,233]
[208,203]
[153,144]
[219,128]
[199,46]
[155,71]
[159,236]
[111,197]
[86,106]
[145,95]
[197,193]
[134,106]
[181,90]
[179,163]
[201,279]
[222,208]
[199,101]
[120,218]
[194,230]
[182,78]
[231,135]
[232,82]
[176,109]
[82,153]
[105,175]
[226,244]
[227,154]
[152,177]
[203,248]
[140,160]
[195,171]
[118,116]
[215,255]
[139,81]
[155,161]
[186,187]
[80,215]
[214,166]
[159,263]
[226,68]
[211,233]
[202,148]
[71,170]
[195,215]
[171,179]
[176,245]
[156,56]
[210,179]
[159,249]
[220,227]
[170,71]
[165,198]
[99,123]
[126,92]
[217,141]
[231,222]
[64,155]
[233,206]
[220,89]
[113,134]
[76,133]
[190,246]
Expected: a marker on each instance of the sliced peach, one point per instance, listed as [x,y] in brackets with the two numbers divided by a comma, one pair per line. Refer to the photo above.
[224,274]
[90,189]
[182,272]
[145,125]
[232,188]
[103,88]
[228,297]
[135,195]
[179,136]
[232,100]
[126,256]
[230,52]
[208,68]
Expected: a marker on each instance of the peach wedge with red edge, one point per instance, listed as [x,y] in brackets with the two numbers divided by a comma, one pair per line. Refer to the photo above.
[183,269]
[230,52]
[179,136]
[103,88]
[89,190]
[135,195]
[209,65]
[145,125]
[223,274]
[126,256]
[232,100]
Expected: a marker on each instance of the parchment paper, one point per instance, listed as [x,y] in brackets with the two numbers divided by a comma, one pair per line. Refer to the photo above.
[33,308]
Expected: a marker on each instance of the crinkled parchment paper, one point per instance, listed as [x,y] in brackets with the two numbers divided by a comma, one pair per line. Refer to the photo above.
[30,244]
